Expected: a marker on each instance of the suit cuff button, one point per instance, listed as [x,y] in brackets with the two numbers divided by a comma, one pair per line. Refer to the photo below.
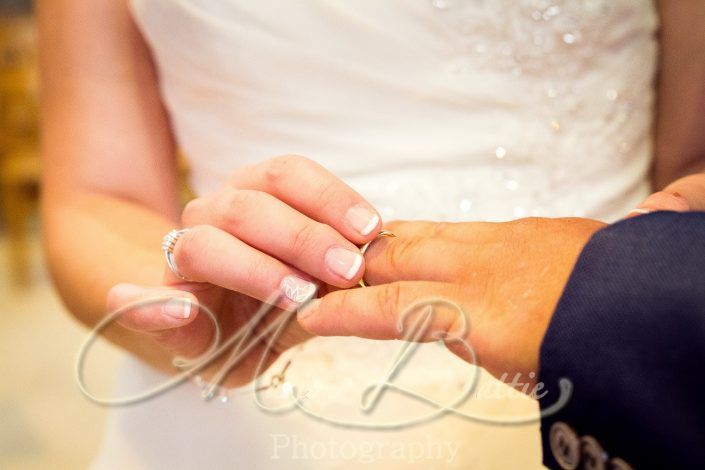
[565,446]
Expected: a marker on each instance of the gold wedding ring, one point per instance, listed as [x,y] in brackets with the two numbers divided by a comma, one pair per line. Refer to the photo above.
[363,249]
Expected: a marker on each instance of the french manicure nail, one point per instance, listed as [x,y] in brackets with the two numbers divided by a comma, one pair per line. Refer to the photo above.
[177,308]
[297,290]
[363,219]
[343,262]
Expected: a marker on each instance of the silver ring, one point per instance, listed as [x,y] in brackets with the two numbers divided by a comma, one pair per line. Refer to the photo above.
[168,244]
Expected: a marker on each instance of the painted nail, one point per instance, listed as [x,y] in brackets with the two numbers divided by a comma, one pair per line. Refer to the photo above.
[363,219]
[297,290]
[308,309]
[177,308]
[343,262]
[639,211]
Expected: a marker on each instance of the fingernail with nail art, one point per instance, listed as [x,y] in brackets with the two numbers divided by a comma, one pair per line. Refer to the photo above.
[298,290]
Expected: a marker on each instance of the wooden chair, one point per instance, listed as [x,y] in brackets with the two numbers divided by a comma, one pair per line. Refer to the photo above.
[19,154]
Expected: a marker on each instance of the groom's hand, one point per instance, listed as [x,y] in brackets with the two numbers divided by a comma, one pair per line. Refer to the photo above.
[505,277]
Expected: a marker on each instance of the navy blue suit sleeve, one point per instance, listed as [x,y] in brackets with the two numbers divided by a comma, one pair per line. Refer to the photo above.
[629,333]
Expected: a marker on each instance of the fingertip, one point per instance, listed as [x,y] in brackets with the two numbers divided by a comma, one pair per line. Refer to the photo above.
[346,265]
[179,308]
[364,221]
[636,212]
[151,309]
[661,201]
[356,269]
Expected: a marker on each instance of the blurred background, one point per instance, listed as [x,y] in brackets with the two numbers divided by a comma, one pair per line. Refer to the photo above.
[45,422]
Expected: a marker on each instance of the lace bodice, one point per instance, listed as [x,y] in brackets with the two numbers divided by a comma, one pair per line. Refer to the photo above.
[440,109]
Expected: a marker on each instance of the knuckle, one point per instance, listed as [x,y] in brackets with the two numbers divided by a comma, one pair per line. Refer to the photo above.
[192,212]
[236,206]
[400,252]
[531,223]
[304,238]
[521,230]
[440,229]
[258,274]
[331,192]
[389,299]
[235,179]
[280,166]
[241,198]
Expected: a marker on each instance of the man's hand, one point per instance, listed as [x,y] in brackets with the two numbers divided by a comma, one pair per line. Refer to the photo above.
[505,277]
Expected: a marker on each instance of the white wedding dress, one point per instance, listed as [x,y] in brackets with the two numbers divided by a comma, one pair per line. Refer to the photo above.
[434,109]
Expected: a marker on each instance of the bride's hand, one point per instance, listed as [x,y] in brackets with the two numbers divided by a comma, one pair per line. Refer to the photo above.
[683,195]
[276,227]
[505,277]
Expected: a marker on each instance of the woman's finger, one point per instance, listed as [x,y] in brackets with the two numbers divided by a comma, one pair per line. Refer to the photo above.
[170,317]
[207,254]
[388,311]
[661,201]
[268,224]
[311,189]
[152,308]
